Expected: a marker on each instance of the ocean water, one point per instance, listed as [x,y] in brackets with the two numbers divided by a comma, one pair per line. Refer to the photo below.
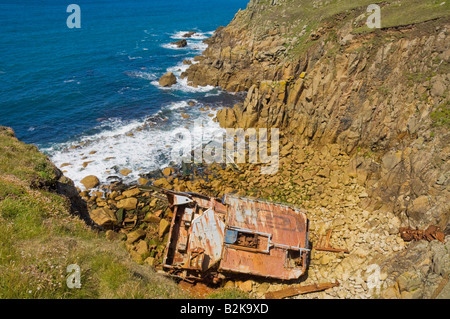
[89,97]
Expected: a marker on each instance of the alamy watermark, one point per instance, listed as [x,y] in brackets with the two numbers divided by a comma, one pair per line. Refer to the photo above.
[374,20]
[73,20]
[74,279]
[233,147]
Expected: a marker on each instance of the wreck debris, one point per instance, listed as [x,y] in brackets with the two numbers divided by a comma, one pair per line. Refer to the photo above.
[209,237]
[441,286]
[324,244]
[299,290]
[431,233]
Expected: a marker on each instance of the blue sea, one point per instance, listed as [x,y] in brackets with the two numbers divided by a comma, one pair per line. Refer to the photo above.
[89,97]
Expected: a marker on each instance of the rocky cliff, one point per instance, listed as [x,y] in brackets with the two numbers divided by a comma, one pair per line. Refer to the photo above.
[315,71]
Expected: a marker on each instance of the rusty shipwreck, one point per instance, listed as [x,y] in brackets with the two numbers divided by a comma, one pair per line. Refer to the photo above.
[210,238]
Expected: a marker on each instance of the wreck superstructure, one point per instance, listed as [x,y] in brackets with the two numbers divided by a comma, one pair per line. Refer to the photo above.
[209,238]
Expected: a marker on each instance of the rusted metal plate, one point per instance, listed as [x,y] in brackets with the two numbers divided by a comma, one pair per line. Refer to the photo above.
[287,226]
[282,239]
[294,291]
[431,233]
[207,232]
[267,265]
[324,244]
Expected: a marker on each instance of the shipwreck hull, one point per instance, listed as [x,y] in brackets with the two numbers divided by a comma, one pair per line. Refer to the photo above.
[210,238]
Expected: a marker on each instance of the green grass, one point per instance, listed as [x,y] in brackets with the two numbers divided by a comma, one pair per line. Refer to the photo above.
[295,14]
[229,293]
[39,239]
[441,115]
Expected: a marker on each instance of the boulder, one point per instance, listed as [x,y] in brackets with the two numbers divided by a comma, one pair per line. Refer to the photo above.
[142,247]
[246,286]
[163,227]
[181,43]
[104,217]
[90,181]
[142,181]
[125,171]
[168,171]
[135,235]
[131,192]
[127,203]
[162,182]
[189,34]
[168,80]
[150,218]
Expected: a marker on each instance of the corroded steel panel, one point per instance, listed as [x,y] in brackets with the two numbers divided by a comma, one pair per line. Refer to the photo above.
[287,226]
[267,265]
[207,232]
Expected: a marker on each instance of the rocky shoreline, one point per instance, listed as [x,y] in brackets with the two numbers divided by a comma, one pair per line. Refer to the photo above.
[363,119]
[329,190]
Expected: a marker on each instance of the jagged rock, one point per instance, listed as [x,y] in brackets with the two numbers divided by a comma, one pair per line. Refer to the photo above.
[142,181]
[135,235]
[142,247]
[131,192]
[168,80]
[181,43]
[104,217]
[151,218]
[409,281]
[246,286]
[189,34]
[90,181]
[125,171]
[128,203]
[163,227]
[162,182]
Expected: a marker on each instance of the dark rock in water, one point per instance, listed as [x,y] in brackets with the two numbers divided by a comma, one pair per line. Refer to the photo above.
[168,79]
[180,43]
[113,178]
[189,34]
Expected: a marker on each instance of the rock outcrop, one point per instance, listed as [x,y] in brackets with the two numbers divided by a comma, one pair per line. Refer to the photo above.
[381,97]
[168,80]
[180,44]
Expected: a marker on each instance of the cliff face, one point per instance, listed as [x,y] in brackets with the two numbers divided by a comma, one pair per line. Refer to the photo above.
[376,94]
[313,70]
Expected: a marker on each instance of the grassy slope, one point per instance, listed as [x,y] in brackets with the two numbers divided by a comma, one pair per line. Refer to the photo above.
[39,239]
[297,14]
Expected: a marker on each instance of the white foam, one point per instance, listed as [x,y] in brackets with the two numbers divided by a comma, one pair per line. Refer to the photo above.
[182,84]
[171,46]
[193,43]
[196,36]
[141,75]
[141,152]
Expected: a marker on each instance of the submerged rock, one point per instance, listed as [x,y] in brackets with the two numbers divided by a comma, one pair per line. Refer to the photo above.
[180,44]
[189,34]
